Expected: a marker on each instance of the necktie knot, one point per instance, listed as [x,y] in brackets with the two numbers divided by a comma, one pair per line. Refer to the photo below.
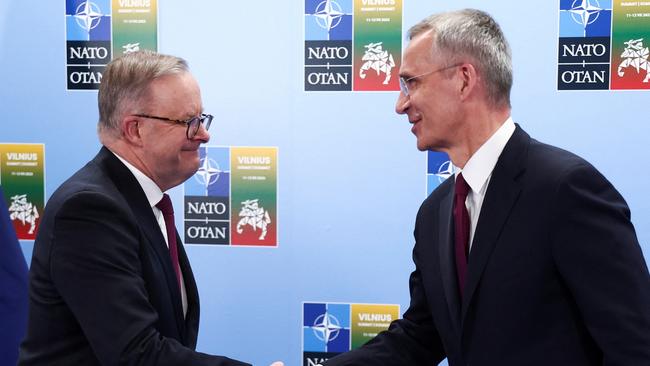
[165,205]
[462,188]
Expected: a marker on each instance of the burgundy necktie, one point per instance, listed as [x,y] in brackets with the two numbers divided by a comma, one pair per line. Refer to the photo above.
[461,230]
[165,205]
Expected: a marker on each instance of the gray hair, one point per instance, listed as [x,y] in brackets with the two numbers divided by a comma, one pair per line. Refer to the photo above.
[126,79]
[474,34]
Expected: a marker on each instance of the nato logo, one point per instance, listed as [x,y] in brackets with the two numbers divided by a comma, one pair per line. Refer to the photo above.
[207,199]
[328,20]
[585,18]
[88,20]
[213,176]
[439,168]
[326,331]
[88,43]
[328,45]
[584,45]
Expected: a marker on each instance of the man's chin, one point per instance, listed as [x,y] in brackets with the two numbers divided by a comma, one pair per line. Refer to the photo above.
[188,168]
[424,145]
[421,146]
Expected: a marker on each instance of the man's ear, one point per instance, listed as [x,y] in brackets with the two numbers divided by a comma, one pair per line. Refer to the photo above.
[469,80]
[130,128]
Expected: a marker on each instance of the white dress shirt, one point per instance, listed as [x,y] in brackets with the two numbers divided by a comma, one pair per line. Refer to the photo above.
[154,195]
[478,171]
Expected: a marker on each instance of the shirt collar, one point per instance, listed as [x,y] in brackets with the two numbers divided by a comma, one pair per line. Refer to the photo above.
[150,188]
[479,167]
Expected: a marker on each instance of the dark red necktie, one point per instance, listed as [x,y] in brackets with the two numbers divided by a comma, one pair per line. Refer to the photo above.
[461,230]
[165,205]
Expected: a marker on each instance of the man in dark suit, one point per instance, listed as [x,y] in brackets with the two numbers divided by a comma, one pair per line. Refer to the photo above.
[527,256]
[110,282]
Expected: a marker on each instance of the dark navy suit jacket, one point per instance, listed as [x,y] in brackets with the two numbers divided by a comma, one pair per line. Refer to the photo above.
[555,274]
[102,287]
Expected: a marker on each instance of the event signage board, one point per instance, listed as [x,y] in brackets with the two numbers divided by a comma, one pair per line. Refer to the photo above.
[232,198]
[22,176]
[99,30]
[603,45]
[630,67]
[377,44]
[135,26]
[352,45]
[329,329]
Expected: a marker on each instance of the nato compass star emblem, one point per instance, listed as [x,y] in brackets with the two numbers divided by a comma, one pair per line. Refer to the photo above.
[326,327]
[445,171]
[585,12]
[88,15]
[208,172]
[328,14]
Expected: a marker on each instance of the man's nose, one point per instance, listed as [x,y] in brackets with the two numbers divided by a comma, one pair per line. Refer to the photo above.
[403,103]
[202,134]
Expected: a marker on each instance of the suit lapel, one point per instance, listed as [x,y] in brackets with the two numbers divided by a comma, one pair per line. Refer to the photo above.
[501,195]
[446,257]
[137,200]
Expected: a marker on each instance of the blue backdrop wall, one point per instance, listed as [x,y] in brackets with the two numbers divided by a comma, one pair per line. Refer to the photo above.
[350,177]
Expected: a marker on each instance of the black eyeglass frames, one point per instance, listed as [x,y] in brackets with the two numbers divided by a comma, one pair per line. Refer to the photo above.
[193,123]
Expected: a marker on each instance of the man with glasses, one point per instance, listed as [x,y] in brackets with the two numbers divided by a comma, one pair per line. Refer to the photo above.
[527,256]
[110,282]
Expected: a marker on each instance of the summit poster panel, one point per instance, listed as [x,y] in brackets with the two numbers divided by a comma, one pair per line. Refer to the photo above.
[603,45]
[329,329]
[630,40]
[207,199]
[377,44]
[22,176]
[232,199]
[352,45]
[254,215]
[99,30]
[135,26]
[88,42]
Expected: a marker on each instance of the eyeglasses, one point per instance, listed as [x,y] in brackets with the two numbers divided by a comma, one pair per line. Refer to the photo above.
[193,123]
[403,83]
